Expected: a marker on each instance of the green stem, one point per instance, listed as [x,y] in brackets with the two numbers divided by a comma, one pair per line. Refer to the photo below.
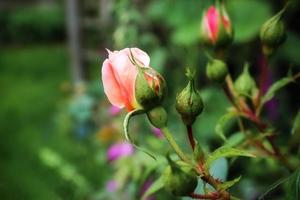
[168,135]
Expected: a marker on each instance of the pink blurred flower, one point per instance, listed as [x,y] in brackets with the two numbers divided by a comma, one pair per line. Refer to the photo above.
[114,111]
[112,186]
[119,75]
[119,150]
[216,26]
[157,132]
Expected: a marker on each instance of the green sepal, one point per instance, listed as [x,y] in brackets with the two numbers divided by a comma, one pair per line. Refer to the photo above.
[180,178]
[158,117]
[126,132]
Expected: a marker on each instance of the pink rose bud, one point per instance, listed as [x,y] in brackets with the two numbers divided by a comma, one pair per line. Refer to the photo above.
[216,29]
[129,81]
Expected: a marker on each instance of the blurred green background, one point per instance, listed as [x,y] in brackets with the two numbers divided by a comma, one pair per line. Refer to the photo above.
[56,123]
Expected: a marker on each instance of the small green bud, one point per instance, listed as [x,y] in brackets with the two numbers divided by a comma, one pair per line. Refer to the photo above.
[296,125]
[189,103]
[245,84]
[179,178]
[273,33]
[150,88]
[216,70]
[158,117]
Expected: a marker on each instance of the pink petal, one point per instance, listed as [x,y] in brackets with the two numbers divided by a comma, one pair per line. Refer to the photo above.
[111,86]
[125,73]
[141,56]
[211,22]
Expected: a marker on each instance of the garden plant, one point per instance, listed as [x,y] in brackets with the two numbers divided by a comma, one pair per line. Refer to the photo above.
[131,82]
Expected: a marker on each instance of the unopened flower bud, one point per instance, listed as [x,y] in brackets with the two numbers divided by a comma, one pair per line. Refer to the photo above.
[150,88]
[179,178]
[158,117]
[273,33]
[245,84]
[216,29]
[189,103]
[216,70]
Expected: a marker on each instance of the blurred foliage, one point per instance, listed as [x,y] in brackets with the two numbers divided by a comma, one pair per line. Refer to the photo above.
[54,136]
[32,24]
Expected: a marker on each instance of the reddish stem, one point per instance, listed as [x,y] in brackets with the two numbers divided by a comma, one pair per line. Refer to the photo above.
[212,196]
[190,135]
[263,76]
[228,94]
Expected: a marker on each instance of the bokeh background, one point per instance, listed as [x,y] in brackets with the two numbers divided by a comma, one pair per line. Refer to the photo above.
[61,139]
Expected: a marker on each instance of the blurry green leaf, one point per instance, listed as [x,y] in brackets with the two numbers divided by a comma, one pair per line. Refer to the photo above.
[296,125]
[158,59]
[272,187]
[293,189]
[156,186]
[225,152]
[290,49]
[187,34]
[214,108]
[222,122]
[228,184]
[235,139]
[245,27]
[275,87]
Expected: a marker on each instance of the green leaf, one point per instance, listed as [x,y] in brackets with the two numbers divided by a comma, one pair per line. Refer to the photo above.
[235,139]
[296,125]
[225,152]
[275,87]
[156,186]
[222,122]
[228,184]
[273,186]
[293,189]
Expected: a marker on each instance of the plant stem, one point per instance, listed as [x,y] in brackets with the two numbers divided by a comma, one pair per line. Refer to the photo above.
[276,151]
[223,194]
[174,145]
[190,136]
[262,81]
[203,196]
[229,91]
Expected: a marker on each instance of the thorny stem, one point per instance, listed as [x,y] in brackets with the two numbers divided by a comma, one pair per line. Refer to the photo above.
[212,196]
[262,80]
[190,136]
[276,151]
[222,195]
[229,91]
